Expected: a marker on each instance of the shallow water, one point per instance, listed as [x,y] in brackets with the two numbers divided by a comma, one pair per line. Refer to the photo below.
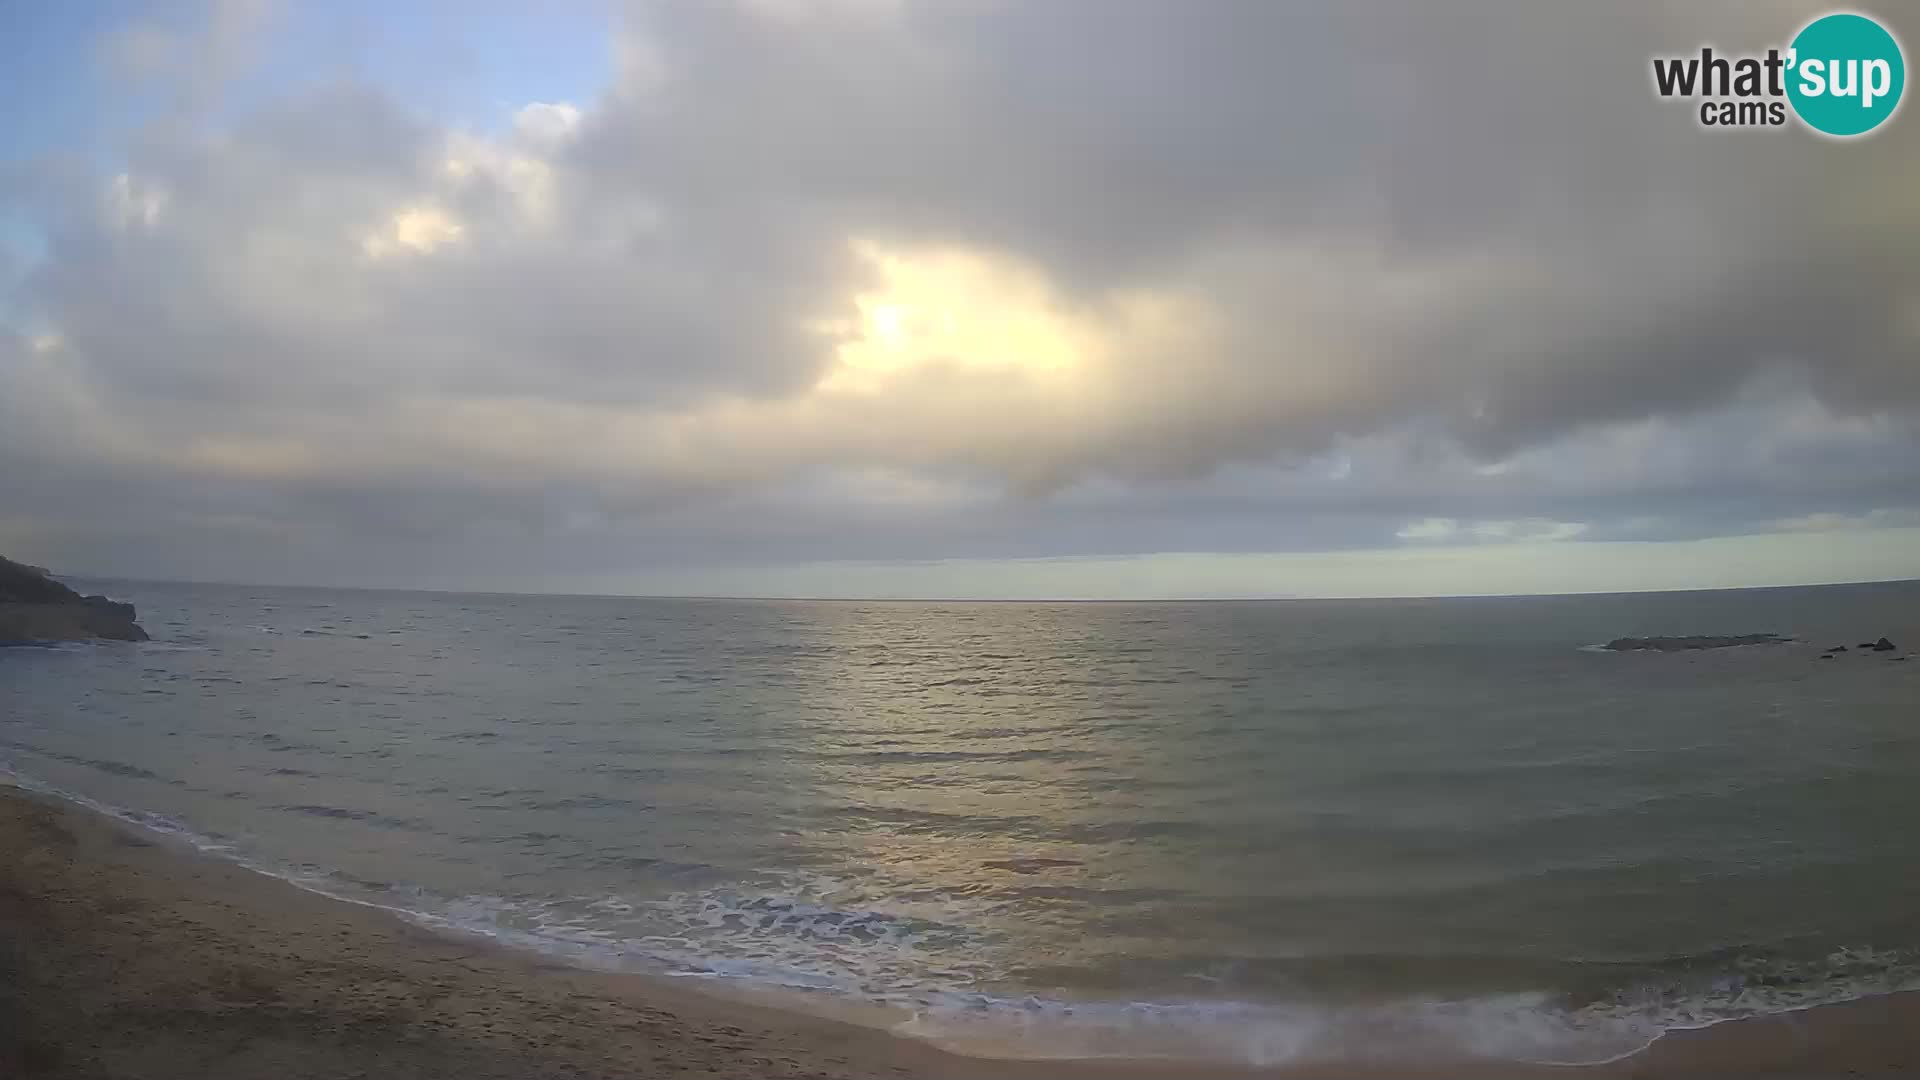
[1263,831]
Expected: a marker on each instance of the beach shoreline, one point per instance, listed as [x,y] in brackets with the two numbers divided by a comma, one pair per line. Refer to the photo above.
[133,956]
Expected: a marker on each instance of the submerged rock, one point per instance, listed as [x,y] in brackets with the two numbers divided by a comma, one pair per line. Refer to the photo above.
[1883,645]
[1683,644]
[34,607]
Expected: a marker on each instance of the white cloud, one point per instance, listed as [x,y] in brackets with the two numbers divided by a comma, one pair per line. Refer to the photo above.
[131,202]
[547,122]
[1430,529]
[1518,530]
[1882,518]
[1537,530]
[416,229]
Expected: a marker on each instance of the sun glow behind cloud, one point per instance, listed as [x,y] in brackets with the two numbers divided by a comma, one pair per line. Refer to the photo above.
[965,311]
[415,229]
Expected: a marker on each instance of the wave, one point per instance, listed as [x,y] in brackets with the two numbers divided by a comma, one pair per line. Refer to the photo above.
[105,765]
[341,813]
[820,944]
[1535,1027]
[947,979]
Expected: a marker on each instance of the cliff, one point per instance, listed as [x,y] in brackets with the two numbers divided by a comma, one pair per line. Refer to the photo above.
[35,607]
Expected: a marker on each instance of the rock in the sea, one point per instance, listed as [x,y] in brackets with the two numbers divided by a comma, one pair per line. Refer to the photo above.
[1682,644]
[1841,648]
[1883,645]
[34,607]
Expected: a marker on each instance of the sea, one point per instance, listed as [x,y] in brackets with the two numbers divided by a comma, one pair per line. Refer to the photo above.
[1264,832]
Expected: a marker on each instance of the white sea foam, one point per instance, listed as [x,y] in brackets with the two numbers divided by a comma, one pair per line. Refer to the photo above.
[932,973]
[1520,1027]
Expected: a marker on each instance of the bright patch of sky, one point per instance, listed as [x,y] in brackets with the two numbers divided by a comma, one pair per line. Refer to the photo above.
[457,69]
[73,73]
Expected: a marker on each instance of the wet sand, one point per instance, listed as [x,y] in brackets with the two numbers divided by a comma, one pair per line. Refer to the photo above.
[124,955]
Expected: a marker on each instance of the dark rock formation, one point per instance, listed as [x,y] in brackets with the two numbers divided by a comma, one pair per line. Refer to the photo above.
[1883,645]
[35,607]
[1843,648]
[1682,644]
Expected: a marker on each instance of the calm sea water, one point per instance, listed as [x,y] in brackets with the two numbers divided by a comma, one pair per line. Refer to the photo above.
[1261,831]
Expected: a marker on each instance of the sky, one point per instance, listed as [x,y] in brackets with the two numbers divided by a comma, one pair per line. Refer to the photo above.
[969,298]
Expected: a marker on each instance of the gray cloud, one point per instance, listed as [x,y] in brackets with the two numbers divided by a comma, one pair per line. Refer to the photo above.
[1229,276]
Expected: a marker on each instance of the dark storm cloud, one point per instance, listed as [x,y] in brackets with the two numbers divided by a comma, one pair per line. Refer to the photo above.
[1652,267]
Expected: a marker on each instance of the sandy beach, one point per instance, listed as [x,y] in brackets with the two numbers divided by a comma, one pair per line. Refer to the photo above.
[128,956]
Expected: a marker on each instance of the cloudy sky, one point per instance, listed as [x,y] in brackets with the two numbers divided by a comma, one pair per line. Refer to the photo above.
[967,298]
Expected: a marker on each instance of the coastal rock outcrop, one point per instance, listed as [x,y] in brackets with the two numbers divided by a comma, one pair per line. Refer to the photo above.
[1681,644]
[1882,645]
[34,607]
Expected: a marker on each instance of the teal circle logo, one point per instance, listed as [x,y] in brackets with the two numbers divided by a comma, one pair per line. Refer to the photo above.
[1846,74]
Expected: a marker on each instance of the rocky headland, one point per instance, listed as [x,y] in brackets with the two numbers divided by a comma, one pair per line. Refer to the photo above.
[36,608]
